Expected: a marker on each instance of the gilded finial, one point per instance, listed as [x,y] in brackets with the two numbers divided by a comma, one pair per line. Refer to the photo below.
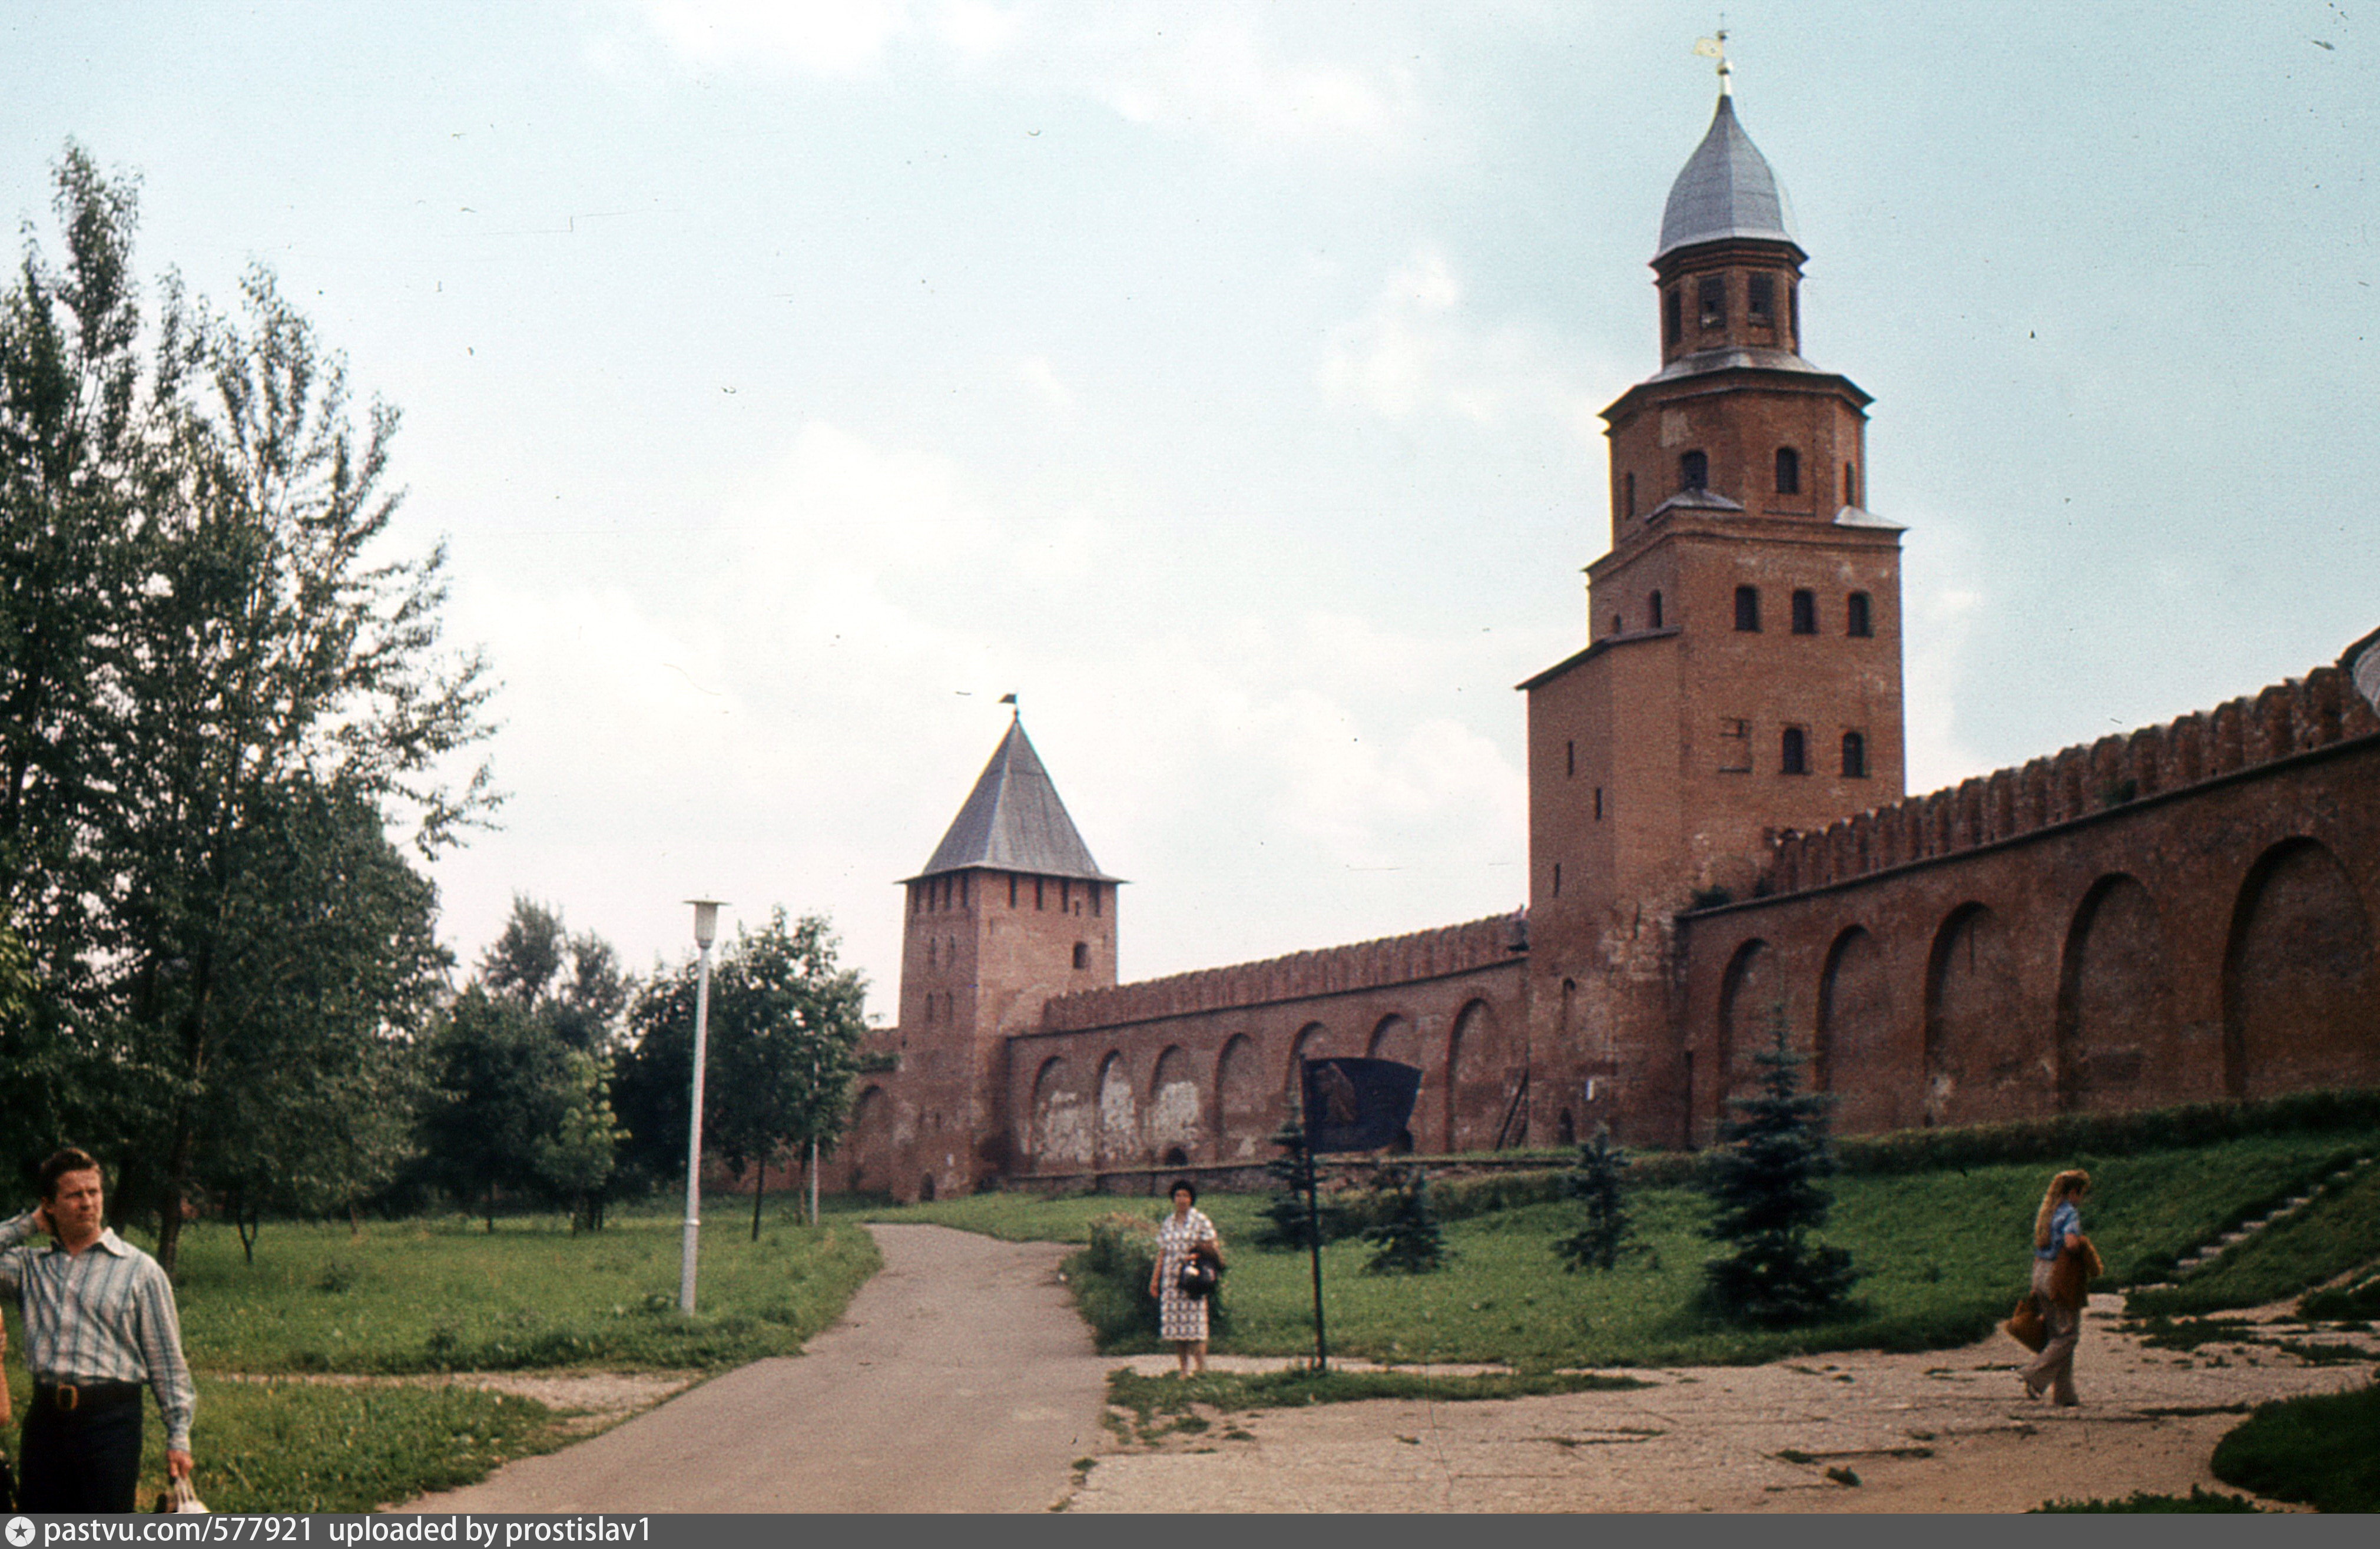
[1715,48]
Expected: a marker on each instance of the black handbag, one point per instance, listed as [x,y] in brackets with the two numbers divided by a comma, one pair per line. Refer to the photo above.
[1201,1272]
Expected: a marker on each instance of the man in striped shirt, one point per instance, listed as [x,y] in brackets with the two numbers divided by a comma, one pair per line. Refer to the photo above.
[100,1320]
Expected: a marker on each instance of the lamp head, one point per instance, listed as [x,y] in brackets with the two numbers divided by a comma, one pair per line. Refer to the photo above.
[706,921]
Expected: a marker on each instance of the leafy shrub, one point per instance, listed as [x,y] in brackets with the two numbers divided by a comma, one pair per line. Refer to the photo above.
[2349,1303]
[2323,1450]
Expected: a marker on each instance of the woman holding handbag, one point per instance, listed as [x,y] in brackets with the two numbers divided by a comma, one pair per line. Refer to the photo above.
[2063,1262]
[1184,1240]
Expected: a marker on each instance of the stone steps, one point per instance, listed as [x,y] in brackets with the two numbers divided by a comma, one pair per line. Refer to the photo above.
[2210,1251]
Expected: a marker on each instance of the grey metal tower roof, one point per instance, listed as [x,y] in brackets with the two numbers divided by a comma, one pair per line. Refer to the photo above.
[1727,189]
[1014,822]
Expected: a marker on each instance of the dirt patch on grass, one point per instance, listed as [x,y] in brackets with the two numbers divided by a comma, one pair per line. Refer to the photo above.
[1941,1431]
[583,1402]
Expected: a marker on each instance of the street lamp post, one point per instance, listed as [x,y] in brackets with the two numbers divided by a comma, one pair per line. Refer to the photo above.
[705,930]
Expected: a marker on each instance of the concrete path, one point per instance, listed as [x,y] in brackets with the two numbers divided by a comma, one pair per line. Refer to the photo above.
[959,1380]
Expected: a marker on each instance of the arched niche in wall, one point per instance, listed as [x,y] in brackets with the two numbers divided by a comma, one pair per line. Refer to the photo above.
[1064,1119]
[1395,1037]
[1118,1122]
[1481,1080]
[1748,996]
[2301,1008]
[1173,1122]
[1982,1062]
[1245,1114]
[1859,1055]
[1313,1041]
[2119,1043]
[868,1142]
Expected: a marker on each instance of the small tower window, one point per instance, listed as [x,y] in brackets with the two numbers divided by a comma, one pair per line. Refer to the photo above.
[1012,890]
[1652,606]
[1805,612]
[1760,299]
[1598,803]
[1793,751]
[1557,879]
[1569,760]
[1851,486]
[1854,756]
[1617,625]
[1036,893]
[1855,615]
[1714,300]
[1628,494]
[1674,328]
[1789,470]
[1082,955]
[1734,746]
[1096,899]
[1747,609]
[1794,314]
[1693,470]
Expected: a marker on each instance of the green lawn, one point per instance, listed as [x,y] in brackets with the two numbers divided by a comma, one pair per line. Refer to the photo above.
[441,1295]
[1944,1252]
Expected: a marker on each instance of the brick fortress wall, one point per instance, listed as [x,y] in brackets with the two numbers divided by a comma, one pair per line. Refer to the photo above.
[1197,1069]
[2183,914]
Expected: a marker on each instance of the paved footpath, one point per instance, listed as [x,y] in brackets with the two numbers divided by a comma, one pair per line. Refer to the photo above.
[960,1379]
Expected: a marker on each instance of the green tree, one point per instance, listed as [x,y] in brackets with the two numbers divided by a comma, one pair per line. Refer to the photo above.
[1764,1182]
[574,983]
[80,444]
[330,965]
[1287,1223]
[1598,1182]
[201,642]
[505,1090]
[785,1025]
[1407,1239]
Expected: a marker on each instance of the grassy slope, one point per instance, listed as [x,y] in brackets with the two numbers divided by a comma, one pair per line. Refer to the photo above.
[443,1294]
[2339,1231]
[1943,1254]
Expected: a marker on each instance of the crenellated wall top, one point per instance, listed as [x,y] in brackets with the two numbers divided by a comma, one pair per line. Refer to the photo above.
[1366,965]
[2296,716]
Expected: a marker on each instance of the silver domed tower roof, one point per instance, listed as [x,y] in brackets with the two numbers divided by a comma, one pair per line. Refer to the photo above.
[1727,189]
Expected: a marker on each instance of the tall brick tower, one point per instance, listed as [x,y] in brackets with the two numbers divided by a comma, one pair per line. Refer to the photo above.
[1743,670]
[1011,910]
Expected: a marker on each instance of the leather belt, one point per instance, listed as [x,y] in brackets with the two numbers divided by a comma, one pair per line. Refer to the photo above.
[82,1399]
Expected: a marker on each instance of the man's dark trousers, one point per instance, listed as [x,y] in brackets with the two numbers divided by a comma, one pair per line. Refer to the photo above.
[85,1459]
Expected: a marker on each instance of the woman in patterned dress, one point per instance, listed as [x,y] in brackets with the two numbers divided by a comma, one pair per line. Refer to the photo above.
[1182,1318]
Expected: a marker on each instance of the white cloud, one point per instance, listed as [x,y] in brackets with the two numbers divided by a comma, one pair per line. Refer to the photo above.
[1417,351]
[821,37]
[1038,374]
[803,728]
[1218,68]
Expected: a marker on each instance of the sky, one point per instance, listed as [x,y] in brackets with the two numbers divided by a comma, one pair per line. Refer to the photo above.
[789,381]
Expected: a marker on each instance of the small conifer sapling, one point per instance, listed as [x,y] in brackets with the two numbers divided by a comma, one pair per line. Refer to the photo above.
[1598,1182]
[1764,1181]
